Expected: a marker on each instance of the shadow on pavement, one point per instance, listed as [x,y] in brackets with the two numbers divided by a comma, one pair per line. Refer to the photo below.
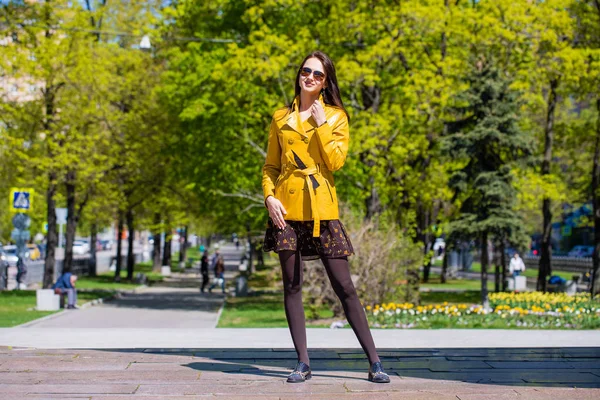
[170,300]
[544,367]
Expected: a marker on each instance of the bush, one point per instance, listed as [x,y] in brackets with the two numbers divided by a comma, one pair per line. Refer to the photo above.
[384,267]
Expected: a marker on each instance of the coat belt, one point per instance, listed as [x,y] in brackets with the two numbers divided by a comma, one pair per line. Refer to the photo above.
[307,173]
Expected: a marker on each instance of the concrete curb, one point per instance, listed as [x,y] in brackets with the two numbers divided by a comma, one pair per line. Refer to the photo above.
[220,312]
[46,318]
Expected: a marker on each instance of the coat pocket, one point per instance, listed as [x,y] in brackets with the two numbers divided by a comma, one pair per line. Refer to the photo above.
[329,189]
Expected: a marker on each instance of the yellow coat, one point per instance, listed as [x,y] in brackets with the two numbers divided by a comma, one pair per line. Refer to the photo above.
[322,150]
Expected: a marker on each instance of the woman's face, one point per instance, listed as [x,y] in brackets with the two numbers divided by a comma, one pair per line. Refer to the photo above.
[312,76]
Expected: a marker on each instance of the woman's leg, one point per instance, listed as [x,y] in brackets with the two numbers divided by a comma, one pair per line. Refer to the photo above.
[291,266]
[338,271]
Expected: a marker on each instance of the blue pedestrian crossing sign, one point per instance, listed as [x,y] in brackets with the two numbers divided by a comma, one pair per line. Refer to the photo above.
[21,200]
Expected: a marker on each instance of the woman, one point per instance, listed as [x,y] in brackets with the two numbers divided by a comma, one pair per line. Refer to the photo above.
[307,142]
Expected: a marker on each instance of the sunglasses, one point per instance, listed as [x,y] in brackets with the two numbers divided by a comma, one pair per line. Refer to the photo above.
[318,75]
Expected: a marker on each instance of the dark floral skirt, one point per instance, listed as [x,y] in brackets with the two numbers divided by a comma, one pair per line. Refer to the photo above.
[333,241]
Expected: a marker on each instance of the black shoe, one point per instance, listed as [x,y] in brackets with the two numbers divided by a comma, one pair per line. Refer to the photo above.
[300,373]
[72,308]
[377,374]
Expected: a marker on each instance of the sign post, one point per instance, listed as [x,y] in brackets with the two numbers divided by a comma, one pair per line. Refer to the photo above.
[61,219]
[20,203]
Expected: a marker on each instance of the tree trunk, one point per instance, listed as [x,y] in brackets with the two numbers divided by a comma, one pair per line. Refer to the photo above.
[372,202]
[93,240]
[71,222]
[251,251]
[167,249]
[596,206]
[444,267]
[546,257]
[497,277]
[130,239]
[503,261]
[119,247]
[484,271]
[156,245]
[52,237]
[183,248]
[424,236]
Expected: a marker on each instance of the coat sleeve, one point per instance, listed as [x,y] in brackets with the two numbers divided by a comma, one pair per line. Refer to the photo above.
[272,167]
[334,142]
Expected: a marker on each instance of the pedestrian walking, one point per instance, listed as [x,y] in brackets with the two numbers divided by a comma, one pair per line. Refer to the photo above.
[204,270]
[219,270]
[307,142]
[516,266]
[21,273]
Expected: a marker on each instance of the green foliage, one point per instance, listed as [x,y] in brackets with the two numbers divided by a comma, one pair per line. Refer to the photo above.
[487,139]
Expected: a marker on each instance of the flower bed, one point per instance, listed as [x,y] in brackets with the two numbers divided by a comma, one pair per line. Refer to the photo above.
[533,310]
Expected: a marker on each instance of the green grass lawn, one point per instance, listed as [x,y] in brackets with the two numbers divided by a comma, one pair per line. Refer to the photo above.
[467,297]
[14,305]
[262,311]
[456,284]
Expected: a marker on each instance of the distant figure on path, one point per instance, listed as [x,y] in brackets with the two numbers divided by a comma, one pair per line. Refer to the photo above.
[219,268]
[204,270]
[308,140]
[21,273]
[65,284]
[517,266]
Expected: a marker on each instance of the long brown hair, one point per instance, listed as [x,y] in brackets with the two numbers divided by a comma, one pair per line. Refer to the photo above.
[331,92]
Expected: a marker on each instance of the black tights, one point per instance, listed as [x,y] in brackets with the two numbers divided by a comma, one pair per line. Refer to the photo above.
[338,272]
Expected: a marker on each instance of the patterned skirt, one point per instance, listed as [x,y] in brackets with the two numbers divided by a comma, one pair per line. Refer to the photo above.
[333,241]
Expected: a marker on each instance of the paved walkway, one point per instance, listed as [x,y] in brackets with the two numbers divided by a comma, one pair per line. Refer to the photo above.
[153,307]
[176,303]
[428,374]
[318,338]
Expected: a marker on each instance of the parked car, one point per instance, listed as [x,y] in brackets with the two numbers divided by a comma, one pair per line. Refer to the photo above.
[581,251]
[11,255]
[106,244]
[3,269]
[81,247]
[34,252]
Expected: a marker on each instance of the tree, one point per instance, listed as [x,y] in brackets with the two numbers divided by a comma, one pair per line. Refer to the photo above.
[487,139]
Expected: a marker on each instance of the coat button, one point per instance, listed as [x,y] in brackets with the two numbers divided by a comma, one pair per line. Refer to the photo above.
[305,140]
[290,141]
[292,191]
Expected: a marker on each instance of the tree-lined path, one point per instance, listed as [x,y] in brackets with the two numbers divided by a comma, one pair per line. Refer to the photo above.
[175,303]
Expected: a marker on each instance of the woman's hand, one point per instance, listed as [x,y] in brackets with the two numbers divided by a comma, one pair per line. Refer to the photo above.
[276,211]
[318,113]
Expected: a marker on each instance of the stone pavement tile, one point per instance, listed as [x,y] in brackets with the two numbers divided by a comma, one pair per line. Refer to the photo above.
[389,354]
[67,389]
[50,396]
[570,378]
[191,397]
[584,364]
[530,364]
[247,388]
[199,366]
[71,365]
[234,354]
[537,394]
[510,357]
[465,376]
[127,376]
[568,393]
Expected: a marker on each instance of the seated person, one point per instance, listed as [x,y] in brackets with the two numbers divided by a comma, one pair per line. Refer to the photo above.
[65,284]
